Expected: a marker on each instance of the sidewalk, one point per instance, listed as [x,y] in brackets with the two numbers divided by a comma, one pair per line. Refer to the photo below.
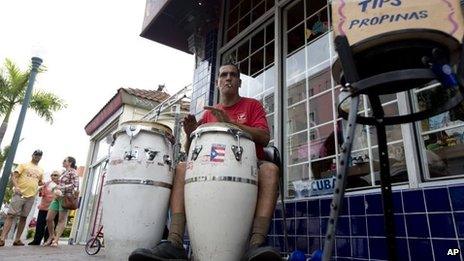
[62,252]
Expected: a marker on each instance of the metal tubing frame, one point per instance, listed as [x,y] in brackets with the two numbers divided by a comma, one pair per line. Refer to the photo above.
[351,75]
[366,87]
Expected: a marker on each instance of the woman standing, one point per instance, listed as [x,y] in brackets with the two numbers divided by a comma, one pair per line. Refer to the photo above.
[68,185]
[47,197]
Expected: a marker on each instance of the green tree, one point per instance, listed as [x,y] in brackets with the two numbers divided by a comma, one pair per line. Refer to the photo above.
[9,188]
[13,85]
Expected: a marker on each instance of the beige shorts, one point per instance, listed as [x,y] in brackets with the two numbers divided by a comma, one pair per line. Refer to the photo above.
[20,206]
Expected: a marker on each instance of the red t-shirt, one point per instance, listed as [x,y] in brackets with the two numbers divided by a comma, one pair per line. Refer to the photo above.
[246,111]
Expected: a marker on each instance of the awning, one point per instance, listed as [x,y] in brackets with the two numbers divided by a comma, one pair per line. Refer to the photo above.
[172,22]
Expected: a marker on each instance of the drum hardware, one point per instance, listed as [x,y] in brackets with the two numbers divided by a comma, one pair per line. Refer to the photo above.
[151,154]
[147,182]
[167,160]
[132,130]
[195,152]
[373,86]
[221,178]
[238,151]
[131,154]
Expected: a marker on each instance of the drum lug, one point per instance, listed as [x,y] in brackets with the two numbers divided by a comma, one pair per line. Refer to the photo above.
[167,160]
[132,131]
[237,150]
[195,152]
[151,154]
[131,154]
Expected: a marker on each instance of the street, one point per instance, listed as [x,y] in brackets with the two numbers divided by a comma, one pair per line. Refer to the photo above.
[62,252]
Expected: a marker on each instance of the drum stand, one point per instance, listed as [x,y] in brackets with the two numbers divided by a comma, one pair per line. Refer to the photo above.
[354,87]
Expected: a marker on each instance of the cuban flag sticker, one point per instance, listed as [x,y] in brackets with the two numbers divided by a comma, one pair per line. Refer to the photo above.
[218,153]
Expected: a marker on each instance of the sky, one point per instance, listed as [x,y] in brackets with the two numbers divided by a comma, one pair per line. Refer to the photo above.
[91,48]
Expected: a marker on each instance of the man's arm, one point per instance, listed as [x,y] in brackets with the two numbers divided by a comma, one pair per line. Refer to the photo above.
[14,180]
[41,183]
[258,135]
[190,124]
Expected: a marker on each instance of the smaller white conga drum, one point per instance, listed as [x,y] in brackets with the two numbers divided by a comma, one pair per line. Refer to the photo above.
[137,188]
[220,191]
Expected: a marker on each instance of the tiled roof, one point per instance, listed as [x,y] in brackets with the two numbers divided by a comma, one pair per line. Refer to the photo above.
[158,96]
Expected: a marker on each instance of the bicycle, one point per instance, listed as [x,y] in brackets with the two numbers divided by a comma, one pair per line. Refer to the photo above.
[93,245]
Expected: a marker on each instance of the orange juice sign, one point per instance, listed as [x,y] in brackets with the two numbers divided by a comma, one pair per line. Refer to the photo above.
[361,19]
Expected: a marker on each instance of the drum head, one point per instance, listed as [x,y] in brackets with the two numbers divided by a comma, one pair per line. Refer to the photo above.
[149,125]
[220,127]
[181,114]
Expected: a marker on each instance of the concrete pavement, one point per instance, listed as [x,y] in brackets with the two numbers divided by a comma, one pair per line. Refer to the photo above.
[62,252]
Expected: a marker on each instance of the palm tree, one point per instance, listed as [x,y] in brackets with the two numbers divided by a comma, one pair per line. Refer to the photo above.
[13,85]
[9,188]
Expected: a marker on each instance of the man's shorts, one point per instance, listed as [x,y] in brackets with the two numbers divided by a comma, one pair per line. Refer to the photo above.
[20,206]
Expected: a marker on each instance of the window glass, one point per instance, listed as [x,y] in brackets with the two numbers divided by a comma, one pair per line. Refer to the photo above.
[442,135]
[310,112]
[298,148]
[321,108]
[297,118]
[242,14]
[255,57]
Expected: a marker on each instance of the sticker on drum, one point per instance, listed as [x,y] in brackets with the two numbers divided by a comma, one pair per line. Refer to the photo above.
[190,165]
[254,171]
[116,162]
[218,153]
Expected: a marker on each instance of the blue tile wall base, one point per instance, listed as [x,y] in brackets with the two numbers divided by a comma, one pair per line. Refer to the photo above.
[428,222]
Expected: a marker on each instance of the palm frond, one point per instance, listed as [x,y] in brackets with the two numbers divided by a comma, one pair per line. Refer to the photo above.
[45,104]
[18,80]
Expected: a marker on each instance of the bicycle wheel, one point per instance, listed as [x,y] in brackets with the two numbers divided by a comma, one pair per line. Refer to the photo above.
[92,246]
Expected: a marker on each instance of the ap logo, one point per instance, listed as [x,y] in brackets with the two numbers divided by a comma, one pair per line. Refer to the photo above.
[452,252]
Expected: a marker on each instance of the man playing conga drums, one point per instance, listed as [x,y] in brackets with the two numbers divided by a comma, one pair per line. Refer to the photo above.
[249,115]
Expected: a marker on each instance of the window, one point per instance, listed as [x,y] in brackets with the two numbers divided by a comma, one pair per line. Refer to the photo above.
[255,57]
[242,14]
[314,132]
[442,136]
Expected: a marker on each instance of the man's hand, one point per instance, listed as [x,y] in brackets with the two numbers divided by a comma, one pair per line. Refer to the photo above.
[190,124]
[220,115]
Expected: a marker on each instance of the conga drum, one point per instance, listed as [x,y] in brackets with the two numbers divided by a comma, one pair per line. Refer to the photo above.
[220,191]
[137,188]
[387,35]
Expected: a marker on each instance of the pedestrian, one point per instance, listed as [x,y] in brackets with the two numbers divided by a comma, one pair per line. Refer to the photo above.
[68,185]
[47,196]
[26,179]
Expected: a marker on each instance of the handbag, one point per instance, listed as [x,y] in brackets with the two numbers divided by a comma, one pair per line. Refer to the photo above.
[70,202]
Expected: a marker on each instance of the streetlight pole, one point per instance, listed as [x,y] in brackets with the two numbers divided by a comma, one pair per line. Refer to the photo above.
[36,62]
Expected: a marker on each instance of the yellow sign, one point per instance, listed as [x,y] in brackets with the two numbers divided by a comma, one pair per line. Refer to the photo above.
[362,19]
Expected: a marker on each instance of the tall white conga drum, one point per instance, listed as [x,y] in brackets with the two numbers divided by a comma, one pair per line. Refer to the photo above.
[137,188]
[220,191]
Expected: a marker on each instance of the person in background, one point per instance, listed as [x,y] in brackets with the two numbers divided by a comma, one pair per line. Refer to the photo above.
[47,196]
[26,180]
[68,185]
